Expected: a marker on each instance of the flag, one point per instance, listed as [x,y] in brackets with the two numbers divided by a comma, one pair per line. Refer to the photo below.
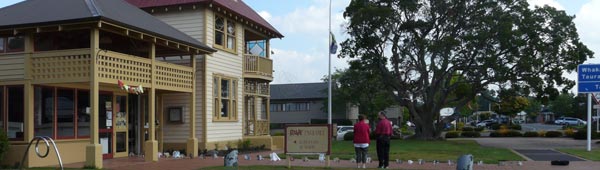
[333,46]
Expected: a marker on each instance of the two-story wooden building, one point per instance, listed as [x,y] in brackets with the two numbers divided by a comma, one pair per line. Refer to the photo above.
[106,79]
[234,89]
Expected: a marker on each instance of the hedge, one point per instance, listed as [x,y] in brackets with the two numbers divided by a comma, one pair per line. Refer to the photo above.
[553,134]
[506,133]
[3,144]
[467,129]
[349,136]
[452,134]
[582,135]
[530,134]
[470,134]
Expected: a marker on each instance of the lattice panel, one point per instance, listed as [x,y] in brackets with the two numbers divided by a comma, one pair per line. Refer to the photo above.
[67,66]
[113,66]
[174,76]
[254,87]
[261,127]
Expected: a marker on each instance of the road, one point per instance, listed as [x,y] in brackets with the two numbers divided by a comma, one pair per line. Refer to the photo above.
[539,127]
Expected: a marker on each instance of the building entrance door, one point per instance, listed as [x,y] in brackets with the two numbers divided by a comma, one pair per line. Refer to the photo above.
[105,120]
[120,126]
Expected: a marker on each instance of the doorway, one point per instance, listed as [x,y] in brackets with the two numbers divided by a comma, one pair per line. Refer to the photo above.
[105,131]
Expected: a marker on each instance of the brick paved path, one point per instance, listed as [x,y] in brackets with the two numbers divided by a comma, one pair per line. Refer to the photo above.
[197,163]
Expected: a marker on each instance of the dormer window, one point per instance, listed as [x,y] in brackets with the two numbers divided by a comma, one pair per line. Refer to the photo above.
[225,34]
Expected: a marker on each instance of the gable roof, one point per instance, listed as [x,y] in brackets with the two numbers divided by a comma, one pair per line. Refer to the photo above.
[299,91]
[47,12]
[237,6]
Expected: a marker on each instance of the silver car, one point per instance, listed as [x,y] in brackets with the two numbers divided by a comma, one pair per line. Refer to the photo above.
[569,121]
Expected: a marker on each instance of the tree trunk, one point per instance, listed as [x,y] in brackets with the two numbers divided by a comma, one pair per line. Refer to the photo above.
[425,129]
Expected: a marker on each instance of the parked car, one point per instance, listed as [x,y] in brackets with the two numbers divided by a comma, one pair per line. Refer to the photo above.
[569,121]
[342,130]
[486,123]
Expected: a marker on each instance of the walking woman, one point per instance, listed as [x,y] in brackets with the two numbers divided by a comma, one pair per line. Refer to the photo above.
[361,141]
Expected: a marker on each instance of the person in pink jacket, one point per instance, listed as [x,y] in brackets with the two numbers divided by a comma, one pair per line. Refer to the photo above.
[361,141]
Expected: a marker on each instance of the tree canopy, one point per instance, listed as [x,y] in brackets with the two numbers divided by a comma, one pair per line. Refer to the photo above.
[419,47]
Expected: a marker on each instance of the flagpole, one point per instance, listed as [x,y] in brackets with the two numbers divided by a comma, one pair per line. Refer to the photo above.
[329,68]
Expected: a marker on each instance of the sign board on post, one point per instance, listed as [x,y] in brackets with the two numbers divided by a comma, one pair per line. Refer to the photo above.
[588,81]
[307,139]
[588,78]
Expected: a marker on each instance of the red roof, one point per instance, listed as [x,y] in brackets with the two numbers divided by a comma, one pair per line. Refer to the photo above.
[236,6]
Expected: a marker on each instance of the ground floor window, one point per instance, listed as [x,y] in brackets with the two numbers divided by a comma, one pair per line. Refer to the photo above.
[225,98]
[61,113]
[12,111]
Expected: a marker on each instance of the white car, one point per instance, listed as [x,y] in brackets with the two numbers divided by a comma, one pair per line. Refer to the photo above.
[569,121]
[342,130]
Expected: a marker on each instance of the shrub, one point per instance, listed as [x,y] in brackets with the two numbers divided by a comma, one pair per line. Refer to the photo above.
[460,125]
[478,129]
[349,136]
[467,129]
[3,144]
[569,132]
[452,134]
[498,126]
[553,134]
[515,127]
[495,134]
[541,133]
[530,134]
[582,135]
[506,133]
[470,134]
[514,133]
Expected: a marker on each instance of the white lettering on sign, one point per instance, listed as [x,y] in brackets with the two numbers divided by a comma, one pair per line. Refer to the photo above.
[589,77]
[590,70]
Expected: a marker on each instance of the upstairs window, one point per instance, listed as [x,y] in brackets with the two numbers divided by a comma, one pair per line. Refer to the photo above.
[225,34]
[9,44]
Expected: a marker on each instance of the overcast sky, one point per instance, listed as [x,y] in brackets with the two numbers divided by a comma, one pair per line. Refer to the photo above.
[301,56]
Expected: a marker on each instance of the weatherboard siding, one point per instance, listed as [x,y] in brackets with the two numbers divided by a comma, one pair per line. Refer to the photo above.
[12,67]
[229,65]
[190,21]
[176,132]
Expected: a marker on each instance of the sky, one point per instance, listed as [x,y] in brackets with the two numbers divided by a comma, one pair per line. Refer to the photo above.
[302,55]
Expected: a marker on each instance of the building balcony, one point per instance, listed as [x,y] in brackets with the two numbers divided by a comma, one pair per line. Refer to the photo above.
[72,66]
[256,88]
[258,67]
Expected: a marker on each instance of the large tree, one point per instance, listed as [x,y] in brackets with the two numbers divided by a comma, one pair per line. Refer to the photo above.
[420,46]
[361,88]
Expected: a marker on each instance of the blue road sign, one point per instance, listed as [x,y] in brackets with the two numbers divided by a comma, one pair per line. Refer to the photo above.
[588,78]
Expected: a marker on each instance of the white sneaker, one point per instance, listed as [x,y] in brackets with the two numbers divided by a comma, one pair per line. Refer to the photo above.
[364,166]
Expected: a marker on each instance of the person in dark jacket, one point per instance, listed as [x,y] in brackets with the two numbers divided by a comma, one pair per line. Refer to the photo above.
[361,141]
[384,133]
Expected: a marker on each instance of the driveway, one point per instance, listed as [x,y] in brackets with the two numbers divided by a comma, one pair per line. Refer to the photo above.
[533,143]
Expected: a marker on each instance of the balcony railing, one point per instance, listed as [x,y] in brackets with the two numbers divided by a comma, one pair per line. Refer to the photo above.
[61,66]
[256,88]
[258,67]
[67,66]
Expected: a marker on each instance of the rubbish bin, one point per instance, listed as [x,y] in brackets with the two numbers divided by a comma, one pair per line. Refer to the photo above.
[465,162]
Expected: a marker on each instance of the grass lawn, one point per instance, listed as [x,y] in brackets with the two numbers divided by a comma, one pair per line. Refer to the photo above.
[593,155]
[430,150]
[426,150]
